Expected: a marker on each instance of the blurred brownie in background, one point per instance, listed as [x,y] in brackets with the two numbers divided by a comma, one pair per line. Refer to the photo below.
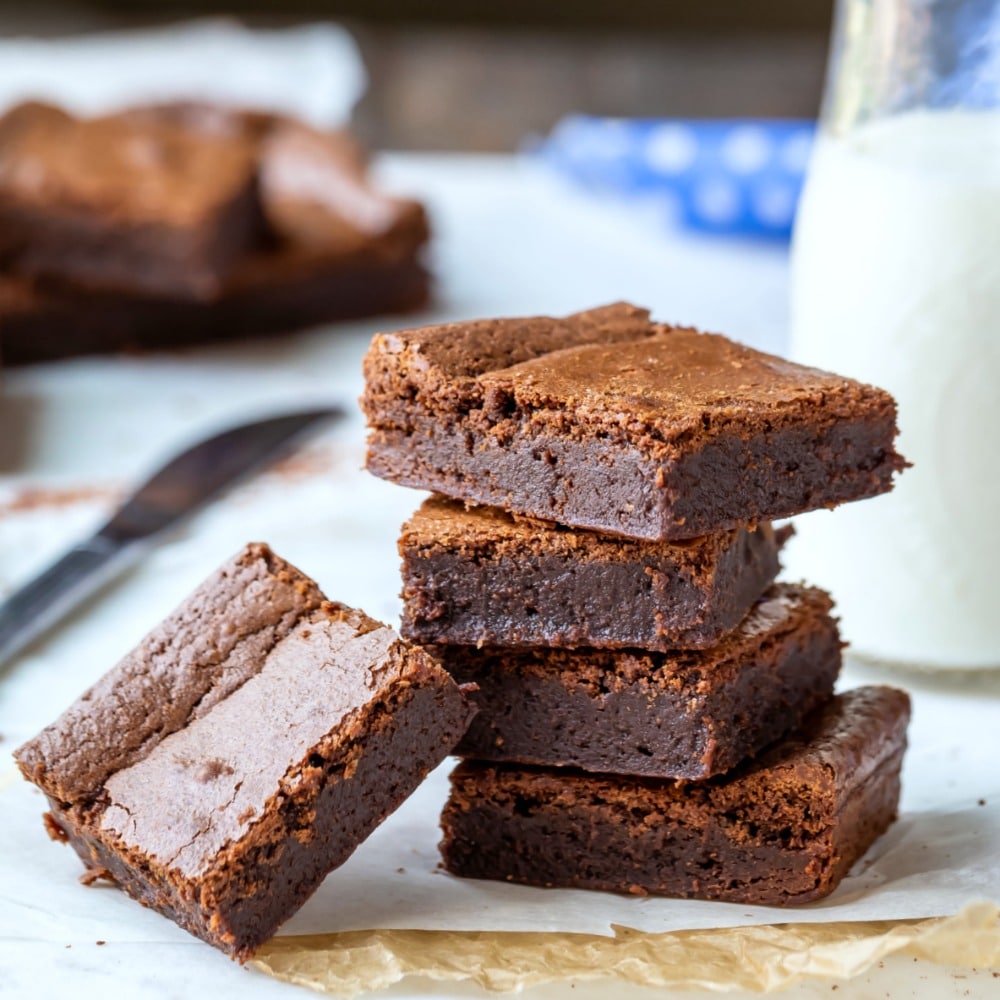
[125,203]
[322,243]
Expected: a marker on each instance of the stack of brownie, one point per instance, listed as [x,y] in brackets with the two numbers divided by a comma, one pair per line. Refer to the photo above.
[655,713]
[175,224]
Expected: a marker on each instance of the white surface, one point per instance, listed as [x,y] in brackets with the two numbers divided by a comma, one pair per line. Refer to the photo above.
[313,71]
[896,281]
[508,243]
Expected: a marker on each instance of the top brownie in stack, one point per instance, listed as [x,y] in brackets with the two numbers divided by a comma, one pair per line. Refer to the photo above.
[607,421]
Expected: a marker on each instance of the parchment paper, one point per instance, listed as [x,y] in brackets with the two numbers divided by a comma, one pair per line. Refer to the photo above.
[764,959]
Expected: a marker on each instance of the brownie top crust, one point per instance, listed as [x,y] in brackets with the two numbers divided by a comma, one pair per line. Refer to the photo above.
[317,192]
[443,525]
[133,170]
[197,657]
[842,743]
[783,609]
[216,776]
[314,185]
[837,748]
[609,370]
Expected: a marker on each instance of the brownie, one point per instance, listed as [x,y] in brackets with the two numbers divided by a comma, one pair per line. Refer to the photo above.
[317,191]
[243,750]
[117,203]
[315,186]
[479,576]
[780,830]
[686,714]
[605,420]
[356,254]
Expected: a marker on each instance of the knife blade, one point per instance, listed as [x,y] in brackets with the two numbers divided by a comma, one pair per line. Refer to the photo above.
[180,488]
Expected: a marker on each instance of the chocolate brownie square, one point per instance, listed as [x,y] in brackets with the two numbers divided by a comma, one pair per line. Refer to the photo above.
[480,576]
[782,829]
[357,252]
[685,714]
[604,420]
[124,204]
[243,750]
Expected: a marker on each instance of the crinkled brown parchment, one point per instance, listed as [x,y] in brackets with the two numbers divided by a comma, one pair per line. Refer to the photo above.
[765,958]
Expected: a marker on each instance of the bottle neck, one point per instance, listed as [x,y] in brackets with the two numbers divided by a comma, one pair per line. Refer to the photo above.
[892,56]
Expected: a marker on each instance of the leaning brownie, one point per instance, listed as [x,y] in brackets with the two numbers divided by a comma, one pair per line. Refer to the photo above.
[780,830]
[479,576]
[243,750]
[604,420]
[685,714]
[133,205]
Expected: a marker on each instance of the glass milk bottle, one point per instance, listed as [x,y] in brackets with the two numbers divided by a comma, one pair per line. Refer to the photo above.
[896,281]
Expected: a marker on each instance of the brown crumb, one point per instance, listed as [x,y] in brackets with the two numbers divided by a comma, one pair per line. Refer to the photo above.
[982,802]
[34,498]
[54,829]
[400,871]
[212,770]
[307,464]
[100,942]
[92,875]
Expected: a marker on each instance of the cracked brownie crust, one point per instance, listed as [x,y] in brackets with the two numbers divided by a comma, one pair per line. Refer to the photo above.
[604,420]
[292,727]
[687,714]
[480,576]
[781,830]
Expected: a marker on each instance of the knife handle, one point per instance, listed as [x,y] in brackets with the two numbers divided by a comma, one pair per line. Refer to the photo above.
[55,592]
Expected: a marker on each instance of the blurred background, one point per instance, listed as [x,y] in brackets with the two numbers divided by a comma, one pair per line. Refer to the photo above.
[454,75]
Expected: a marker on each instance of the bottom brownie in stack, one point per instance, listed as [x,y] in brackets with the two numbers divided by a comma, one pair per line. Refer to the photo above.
[780,829]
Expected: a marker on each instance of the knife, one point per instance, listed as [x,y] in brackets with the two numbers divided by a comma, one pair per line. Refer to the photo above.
[183,486]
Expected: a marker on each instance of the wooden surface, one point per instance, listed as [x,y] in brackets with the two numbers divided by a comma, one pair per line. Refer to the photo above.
[485,87]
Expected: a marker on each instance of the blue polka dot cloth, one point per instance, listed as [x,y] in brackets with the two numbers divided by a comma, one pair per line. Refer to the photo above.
[729,177]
